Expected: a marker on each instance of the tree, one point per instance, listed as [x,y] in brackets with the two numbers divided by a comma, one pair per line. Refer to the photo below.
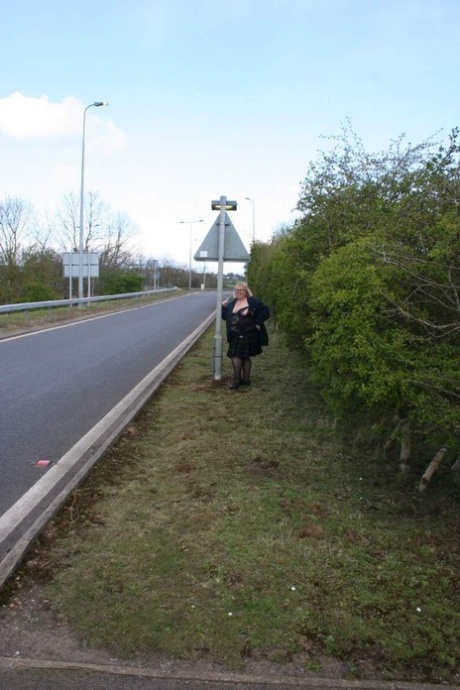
[41,274]
[115,247]
[15,220]
[120,282]
[67,221]
[109,233]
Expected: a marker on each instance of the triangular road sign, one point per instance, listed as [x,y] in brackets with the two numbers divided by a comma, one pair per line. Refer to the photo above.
[234,249]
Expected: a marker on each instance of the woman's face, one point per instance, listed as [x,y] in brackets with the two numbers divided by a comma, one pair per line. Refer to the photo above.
[240,292]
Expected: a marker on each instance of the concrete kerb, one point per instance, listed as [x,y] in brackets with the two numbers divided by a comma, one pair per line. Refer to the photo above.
[174,673]
[24,521]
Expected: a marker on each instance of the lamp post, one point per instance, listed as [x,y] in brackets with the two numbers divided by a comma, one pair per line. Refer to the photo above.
[248,198]
[191,223]
[96,104]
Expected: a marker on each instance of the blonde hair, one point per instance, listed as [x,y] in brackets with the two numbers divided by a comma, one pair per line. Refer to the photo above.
[245,288]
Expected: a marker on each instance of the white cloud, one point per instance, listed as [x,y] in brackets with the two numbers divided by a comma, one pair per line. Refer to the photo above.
[24,117]
[106,137]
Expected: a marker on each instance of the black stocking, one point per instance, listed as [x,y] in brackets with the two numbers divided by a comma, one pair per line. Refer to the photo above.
[247,364]
[237,362]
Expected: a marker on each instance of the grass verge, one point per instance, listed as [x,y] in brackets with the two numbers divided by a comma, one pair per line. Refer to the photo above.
[236,525]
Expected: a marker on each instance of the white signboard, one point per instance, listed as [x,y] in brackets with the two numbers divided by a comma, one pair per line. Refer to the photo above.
[71,264]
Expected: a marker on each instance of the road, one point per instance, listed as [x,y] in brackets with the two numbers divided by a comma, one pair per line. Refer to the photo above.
[56,384]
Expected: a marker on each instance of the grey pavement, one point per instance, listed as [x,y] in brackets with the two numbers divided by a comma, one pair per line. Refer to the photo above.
[23,674]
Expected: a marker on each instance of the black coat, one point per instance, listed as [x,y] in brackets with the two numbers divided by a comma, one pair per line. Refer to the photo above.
[261,313]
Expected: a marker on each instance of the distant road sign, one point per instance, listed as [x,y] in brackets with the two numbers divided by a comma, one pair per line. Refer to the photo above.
[71,264]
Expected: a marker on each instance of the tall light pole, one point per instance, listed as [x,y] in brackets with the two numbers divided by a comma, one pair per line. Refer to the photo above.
[97,104]
[248,198]
[191,223]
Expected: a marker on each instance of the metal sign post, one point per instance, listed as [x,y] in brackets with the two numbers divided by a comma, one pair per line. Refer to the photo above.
[222,243]
[70,275]
[217,344]
[71,260]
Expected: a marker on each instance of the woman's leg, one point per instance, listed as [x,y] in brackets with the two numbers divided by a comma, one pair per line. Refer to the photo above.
[247,365]
[237,365]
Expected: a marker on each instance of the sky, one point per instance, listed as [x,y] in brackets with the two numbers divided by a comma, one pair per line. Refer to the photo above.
[209,98]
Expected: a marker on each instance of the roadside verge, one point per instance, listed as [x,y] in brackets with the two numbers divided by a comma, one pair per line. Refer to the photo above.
[24,521]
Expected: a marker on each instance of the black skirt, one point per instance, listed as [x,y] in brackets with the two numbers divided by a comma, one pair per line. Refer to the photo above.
[244,345]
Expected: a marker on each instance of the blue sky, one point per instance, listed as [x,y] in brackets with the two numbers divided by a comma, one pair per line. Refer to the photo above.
[210,98]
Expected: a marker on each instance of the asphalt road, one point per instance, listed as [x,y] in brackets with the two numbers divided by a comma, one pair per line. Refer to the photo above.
[56,384]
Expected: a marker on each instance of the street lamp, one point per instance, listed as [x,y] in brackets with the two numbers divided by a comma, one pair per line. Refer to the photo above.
[191,223]
[248,198]
[96,104]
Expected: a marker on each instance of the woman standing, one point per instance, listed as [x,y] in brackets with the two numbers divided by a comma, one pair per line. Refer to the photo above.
[246,332]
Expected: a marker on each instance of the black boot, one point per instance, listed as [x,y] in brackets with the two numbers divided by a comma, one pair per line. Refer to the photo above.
[235,384]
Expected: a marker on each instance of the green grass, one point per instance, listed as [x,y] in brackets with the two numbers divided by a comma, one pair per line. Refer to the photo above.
[230,525]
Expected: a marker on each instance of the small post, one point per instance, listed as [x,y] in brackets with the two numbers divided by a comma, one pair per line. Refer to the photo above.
[70,274]
[89,274]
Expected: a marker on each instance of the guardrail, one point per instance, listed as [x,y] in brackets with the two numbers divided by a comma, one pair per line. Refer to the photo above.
[25,306]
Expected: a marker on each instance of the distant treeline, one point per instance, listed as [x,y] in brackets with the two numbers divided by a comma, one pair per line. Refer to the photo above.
[31,267]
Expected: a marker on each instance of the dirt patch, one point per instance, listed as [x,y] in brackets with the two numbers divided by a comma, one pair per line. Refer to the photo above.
[31,631]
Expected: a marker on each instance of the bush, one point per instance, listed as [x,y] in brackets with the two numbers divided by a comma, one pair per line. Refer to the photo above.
[119,283]
[37,292]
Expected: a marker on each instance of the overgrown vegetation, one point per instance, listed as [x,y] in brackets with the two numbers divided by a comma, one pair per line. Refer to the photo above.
[367,283]
[240,526]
